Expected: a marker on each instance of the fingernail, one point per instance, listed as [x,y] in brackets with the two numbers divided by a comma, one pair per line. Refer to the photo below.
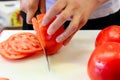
[44,23]
[59,39]
[50,32]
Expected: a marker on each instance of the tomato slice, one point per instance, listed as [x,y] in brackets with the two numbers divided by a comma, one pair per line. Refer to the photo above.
[20,45]
[7,55]
[2,50]
[3,78]
[25,43]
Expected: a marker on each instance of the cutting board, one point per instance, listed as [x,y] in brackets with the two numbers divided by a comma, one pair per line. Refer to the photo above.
[69,63]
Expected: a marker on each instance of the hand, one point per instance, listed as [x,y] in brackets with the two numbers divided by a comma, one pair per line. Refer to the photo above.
[78,10]
[30,7]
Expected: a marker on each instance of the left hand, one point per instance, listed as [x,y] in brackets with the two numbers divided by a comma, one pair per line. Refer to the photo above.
[30,7]
[78,10]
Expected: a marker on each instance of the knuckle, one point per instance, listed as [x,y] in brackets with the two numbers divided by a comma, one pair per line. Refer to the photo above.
[64,16]
[54,8]
[74,28]
[84,20]
[74,25]
[76,6]
[64,36]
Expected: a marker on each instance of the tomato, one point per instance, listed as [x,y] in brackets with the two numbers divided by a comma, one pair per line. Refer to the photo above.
[28,42]
[108,34]
[20,45]
[49,41]
[3,78]
[104,63]
[6,54]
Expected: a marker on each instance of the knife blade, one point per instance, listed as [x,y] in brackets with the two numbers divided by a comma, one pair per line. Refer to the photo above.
[42,45]
[45,53]
[38,33]
[44,50]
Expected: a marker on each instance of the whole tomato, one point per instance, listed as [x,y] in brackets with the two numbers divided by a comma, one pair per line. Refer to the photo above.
[108,34]
[104,63]
[49,41]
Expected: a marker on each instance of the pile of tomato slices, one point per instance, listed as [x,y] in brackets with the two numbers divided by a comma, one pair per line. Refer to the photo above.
[20,45]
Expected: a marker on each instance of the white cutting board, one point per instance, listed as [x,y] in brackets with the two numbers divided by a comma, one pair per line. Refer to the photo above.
[70,63]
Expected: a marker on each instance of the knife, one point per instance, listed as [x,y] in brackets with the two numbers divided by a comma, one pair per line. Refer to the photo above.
[45,53]
[38,32]
[44,50]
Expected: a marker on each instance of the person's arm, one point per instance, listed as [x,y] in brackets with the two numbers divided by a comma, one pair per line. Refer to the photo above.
[78,10]
[30,7]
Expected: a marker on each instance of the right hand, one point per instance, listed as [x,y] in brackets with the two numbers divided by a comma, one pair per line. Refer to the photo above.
[30,7]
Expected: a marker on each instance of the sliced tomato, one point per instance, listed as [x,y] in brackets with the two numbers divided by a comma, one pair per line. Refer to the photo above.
[48,41]
[11,55]
[3,78]
[9,49]
[20,45]
[25,43]
[2,50]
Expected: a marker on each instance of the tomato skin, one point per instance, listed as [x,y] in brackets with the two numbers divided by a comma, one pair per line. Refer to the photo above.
[49,41]
[108,34]
[3,78]
[104,63]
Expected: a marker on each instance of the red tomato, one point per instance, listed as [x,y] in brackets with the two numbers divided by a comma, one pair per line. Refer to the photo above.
[3,78]
[109,34]
[6,54]
[104,63]
[19,46]
[25,42]
[49,41]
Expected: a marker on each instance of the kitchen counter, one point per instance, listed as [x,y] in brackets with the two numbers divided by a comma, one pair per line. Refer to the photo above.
[69,63]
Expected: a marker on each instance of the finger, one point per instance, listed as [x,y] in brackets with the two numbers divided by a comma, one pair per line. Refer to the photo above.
[35,23]
[42,6]
[59,21]
[30,14]
[53,11]
[65,42]
[22,8]
[72,28]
